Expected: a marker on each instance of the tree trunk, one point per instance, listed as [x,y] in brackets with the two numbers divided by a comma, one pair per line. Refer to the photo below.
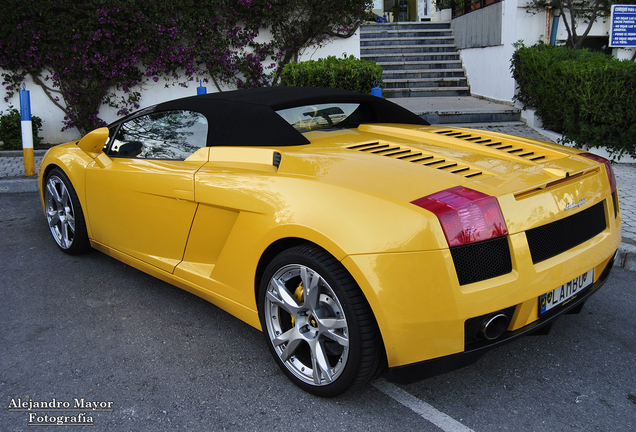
[570,23]
[48,91]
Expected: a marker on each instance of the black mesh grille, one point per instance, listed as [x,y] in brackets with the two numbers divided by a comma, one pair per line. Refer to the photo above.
[557,237]
[480,261]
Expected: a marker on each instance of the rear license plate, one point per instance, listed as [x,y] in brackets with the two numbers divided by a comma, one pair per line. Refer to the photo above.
[565,292]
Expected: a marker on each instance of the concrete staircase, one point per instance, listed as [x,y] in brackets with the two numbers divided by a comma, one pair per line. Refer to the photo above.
[418,58]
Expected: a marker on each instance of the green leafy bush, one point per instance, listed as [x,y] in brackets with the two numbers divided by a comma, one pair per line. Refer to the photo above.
[588,97]
[448,4]
[11,129]
[91,54]
[331,72]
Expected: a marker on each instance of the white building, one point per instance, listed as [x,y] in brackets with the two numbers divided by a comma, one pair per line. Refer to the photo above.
[486,36]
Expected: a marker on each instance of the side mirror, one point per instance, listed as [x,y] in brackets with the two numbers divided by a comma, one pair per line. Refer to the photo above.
[93,142]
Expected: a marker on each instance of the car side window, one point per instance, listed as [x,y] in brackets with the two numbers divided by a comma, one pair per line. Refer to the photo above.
[171,135]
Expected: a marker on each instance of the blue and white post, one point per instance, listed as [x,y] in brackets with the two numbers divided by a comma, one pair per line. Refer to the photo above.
[27,131]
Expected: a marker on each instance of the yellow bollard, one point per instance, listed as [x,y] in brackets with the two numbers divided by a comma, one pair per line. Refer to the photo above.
[29,164]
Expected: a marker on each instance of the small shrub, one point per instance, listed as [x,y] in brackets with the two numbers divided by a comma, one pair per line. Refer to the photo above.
[331,72]
[11,129]
[588,97]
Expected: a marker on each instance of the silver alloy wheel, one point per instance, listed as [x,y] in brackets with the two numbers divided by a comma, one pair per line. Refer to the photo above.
[306,325]
[59,212]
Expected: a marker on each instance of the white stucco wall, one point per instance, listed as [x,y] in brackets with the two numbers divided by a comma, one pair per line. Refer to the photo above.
[623,53]
[600,27]
[52,116]
[336,47]
[488,69]
[152,93]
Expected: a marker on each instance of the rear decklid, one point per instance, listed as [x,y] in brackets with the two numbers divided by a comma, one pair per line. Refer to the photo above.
[534,181]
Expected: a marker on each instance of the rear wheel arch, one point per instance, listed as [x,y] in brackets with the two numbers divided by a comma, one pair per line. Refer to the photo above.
[282,244]
[341,299]
[269,254]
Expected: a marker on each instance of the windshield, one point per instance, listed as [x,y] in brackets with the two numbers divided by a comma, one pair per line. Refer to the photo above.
[323,116]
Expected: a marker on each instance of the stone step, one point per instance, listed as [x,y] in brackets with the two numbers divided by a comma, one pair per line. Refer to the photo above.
[390,42]
[393,34]
[415,57]
[443,110]
[370,27]
[419,83]
[426,92]
[408,49]
[405,25]
[423,73]
[419,65]
[470,118]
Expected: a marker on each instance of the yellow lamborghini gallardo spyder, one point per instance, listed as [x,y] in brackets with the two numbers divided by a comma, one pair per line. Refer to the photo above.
[355,235]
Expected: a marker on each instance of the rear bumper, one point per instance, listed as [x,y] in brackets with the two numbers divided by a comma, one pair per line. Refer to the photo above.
[417,371]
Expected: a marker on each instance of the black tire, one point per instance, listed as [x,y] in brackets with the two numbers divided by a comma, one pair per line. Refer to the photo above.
[323,337]
[64,214]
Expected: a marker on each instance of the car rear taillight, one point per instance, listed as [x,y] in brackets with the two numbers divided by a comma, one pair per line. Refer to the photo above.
[608,168]
[467,216]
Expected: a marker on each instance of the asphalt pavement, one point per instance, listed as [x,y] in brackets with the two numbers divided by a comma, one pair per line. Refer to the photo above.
[13,180]
[152,357]
[90,329]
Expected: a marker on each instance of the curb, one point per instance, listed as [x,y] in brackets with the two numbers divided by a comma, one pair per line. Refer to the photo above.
[20,153]
[18,185]
[626,257]
[453,117]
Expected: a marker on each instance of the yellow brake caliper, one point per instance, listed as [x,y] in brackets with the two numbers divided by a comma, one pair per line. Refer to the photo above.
[299,293]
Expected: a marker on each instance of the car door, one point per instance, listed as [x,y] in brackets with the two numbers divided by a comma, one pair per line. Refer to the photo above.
[142,203]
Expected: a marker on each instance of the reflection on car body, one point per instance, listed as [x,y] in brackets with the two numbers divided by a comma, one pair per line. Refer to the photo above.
[172,135]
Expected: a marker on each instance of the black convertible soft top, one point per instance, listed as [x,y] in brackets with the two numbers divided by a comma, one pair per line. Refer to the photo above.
[249,118]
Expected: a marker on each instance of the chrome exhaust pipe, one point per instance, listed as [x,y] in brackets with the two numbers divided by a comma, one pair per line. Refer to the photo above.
[493,327]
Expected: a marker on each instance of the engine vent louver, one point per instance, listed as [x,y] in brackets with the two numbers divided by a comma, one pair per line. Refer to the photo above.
[418,157]
[511,147]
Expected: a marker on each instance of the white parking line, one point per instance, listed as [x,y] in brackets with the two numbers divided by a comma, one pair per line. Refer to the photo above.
[426,411]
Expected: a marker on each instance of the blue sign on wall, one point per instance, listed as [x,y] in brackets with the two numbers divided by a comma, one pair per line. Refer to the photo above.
[623,29]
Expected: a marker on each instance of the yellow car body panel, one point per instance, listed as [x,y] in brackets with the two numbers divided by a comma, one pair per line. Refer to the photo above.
[205,223]
[423,308]
[132,200]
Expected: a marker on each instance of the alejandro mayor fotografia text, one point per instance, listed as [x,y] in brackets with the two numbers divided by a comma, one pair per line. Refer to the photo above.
[81,408]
